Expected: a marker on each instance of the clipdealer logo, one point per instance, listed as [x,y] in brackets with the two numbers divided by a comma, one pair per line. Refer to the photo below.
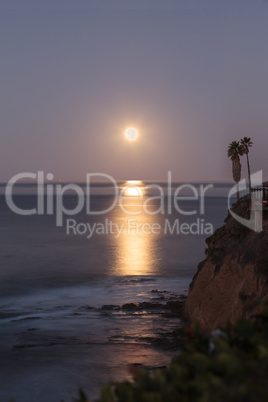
[50,201]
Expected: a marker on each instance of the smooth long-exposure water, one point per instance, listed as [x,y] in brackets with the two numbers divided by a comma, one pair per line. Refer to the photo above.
[62,324]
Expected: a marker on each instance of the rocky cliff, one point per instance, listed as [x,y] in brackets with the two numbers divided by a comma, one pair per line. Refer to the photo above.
[232,282]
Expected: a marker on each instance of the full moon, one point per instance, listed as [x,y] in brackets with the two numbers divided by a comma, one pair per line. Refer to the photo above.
[131,134]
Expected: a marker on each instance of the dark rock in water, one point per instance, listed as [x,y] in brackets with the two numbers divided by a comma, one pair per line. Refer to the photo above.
[86,308]
[161,298]
[141,306]
[176,308]
[110,307]
[159,291]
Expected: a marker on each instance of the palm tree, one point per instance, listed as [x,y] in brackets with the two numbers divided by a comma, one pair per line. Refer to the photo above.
[246,143]
[234,152]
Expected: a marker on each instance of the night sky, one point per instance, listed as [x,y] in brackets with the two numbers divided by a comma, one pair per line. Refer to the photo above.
[190,76]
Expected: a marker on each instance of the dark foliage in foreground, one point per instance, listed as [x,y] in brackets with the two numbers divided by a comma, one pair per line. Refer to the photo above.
[230,365]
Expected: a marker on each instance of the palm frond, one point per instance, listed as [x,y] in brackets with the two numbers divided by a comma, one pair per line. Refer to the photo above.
[246,142]
[234,149]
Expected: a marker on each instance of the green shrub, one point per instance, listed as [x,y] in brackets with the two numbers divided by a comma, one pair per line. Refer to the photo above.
[230,365]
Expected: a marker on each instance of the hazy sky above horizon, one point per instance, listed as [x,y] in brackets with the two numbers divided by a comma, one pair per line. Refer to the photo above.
[189,75]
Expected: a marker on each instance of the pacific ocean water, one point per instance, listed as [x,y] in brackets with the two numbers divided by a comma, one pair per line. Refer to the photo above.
[62,325]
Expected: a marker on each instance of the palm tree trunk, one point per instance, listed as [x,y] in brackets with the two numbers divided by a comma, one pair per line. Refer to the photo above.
[249,178]
[237,191]
[236,173]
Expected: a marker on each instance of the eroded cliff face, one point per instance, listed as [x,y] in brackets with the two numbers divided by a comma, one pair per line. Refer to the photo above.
[232,282]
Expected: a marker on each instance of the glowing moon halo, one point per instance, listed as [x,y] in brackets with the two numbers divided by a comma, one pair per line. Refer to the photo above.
[131,134]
